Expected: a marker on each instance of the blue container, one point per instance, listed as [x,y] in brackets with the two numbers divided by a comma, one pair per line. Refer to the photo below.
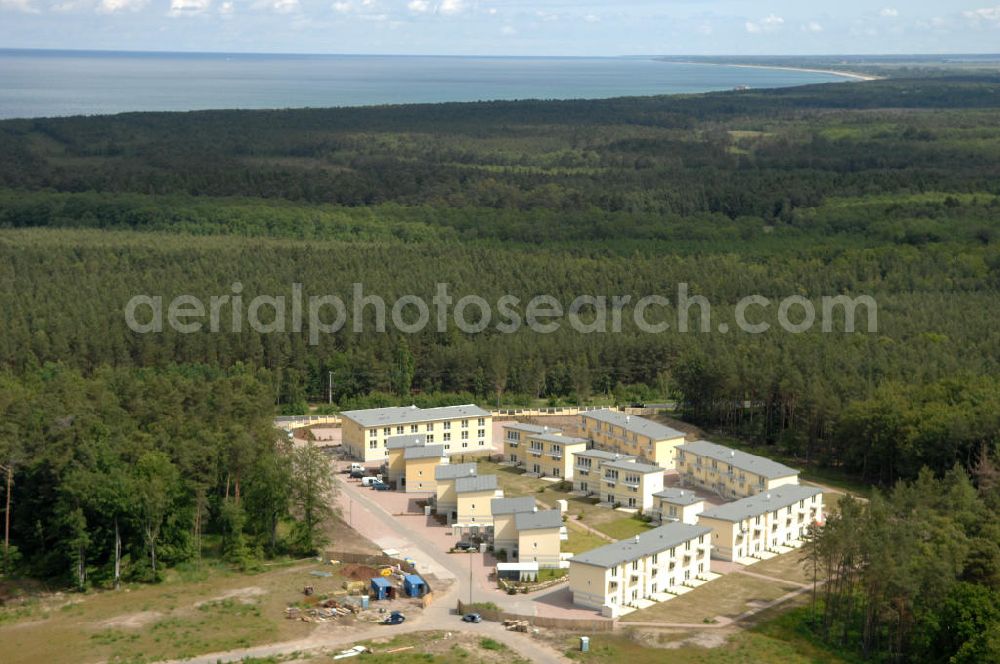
[414,586]
[380,588]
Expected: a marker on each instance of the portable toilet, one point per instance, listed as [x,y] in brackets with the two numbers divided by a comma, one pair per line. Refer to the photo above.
[584,644]
[381,588]
[414,586]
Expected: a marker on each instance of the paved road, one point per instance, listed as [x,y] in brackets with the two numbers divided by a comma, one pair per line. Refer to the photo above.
[438,616]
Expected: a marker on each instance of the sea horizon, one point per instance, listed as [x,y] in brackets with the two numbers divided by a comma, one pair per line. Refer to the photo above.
[66,82]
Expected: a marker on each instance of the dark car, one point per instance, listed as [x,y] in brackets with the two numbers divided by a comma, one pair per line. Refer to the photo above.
[466,546]
[395,618]
[357,474]
[381,486]
[472,618]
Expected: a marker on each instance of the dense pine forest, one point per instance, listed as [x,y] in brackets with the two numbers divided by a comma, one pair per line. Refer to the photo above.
[887,188]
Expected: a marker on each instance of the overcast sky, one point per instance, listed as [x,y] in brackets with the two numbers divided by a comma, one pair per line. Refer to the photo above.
[506,27]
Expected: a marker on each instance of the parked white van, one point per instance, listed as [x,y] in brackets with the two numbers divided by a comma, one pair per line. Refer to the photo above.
[368,481]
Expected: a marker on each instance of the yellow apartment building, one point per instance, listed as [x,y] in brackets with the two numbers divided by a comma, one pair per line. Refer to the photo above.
[464,429]
[730,473]
[504,531]
[445,499]
[587,470]
[422,462]
[632,435]
[551,455]
[474,496]
[775,521]
[674,504]
[514,439]
[539,537]
[646,567]
[630,484]
[395,448]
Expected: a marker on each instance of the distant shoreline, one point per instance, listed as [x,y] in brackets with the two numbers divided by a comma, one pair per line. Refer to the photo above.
[808,70]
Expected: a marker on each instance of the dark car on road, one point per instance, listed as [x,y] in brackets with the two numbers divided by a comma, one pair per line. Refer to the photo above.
[472,618]
[395,618]
[381,486]
[466,546]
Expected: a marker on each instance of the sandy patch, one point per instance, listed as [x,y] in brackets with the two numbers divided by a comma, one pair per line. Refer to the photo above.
[245,595]
[132,620]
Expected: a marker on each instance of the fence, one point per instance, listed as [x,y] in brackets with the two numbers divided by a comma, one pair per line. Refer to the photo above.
[573,624]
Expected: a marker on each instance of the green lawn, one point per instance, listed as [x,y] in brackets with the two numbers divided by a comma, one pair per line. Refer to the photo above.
[727,596]
[513,480]
[623,527]
[193,611]
[439,647]
[745,647]
[788,566]
[581,540]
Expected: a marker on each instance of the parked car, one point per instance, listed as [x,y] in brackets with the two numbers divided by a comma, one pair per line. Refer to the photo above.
[395,618]
[381,486]
[472,618]
[360,467]
[466,546]
[357,474]
[369,480]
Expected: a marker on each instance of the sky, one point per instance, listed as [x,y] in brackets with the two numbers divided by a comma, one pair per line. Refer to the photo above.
[507,27]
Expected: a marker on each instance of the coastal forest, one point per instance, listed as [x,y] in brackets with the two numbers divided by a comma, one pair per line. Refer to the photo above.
[888,189]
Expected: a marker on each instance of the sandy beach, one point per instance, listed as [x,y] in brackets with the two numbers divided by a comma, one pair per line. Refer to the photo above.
[834,72]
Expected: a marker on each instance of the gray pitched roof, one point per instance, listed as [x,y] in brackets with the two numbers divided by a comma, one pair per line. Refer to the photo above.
[761,503]
[424,452]
[678,496]
[476,483]
[538,520]
[393,415]
[750,463]
[603,455]
[643,468]
[500,506]
[402,442]
[636,424]
[529,428]
[455,470]
[645,544]
[557,438]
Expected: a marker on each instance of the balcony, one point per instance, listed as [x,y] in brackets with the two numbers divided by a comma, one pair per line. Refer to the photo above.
[535,453]
[556,455]
[512,443]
